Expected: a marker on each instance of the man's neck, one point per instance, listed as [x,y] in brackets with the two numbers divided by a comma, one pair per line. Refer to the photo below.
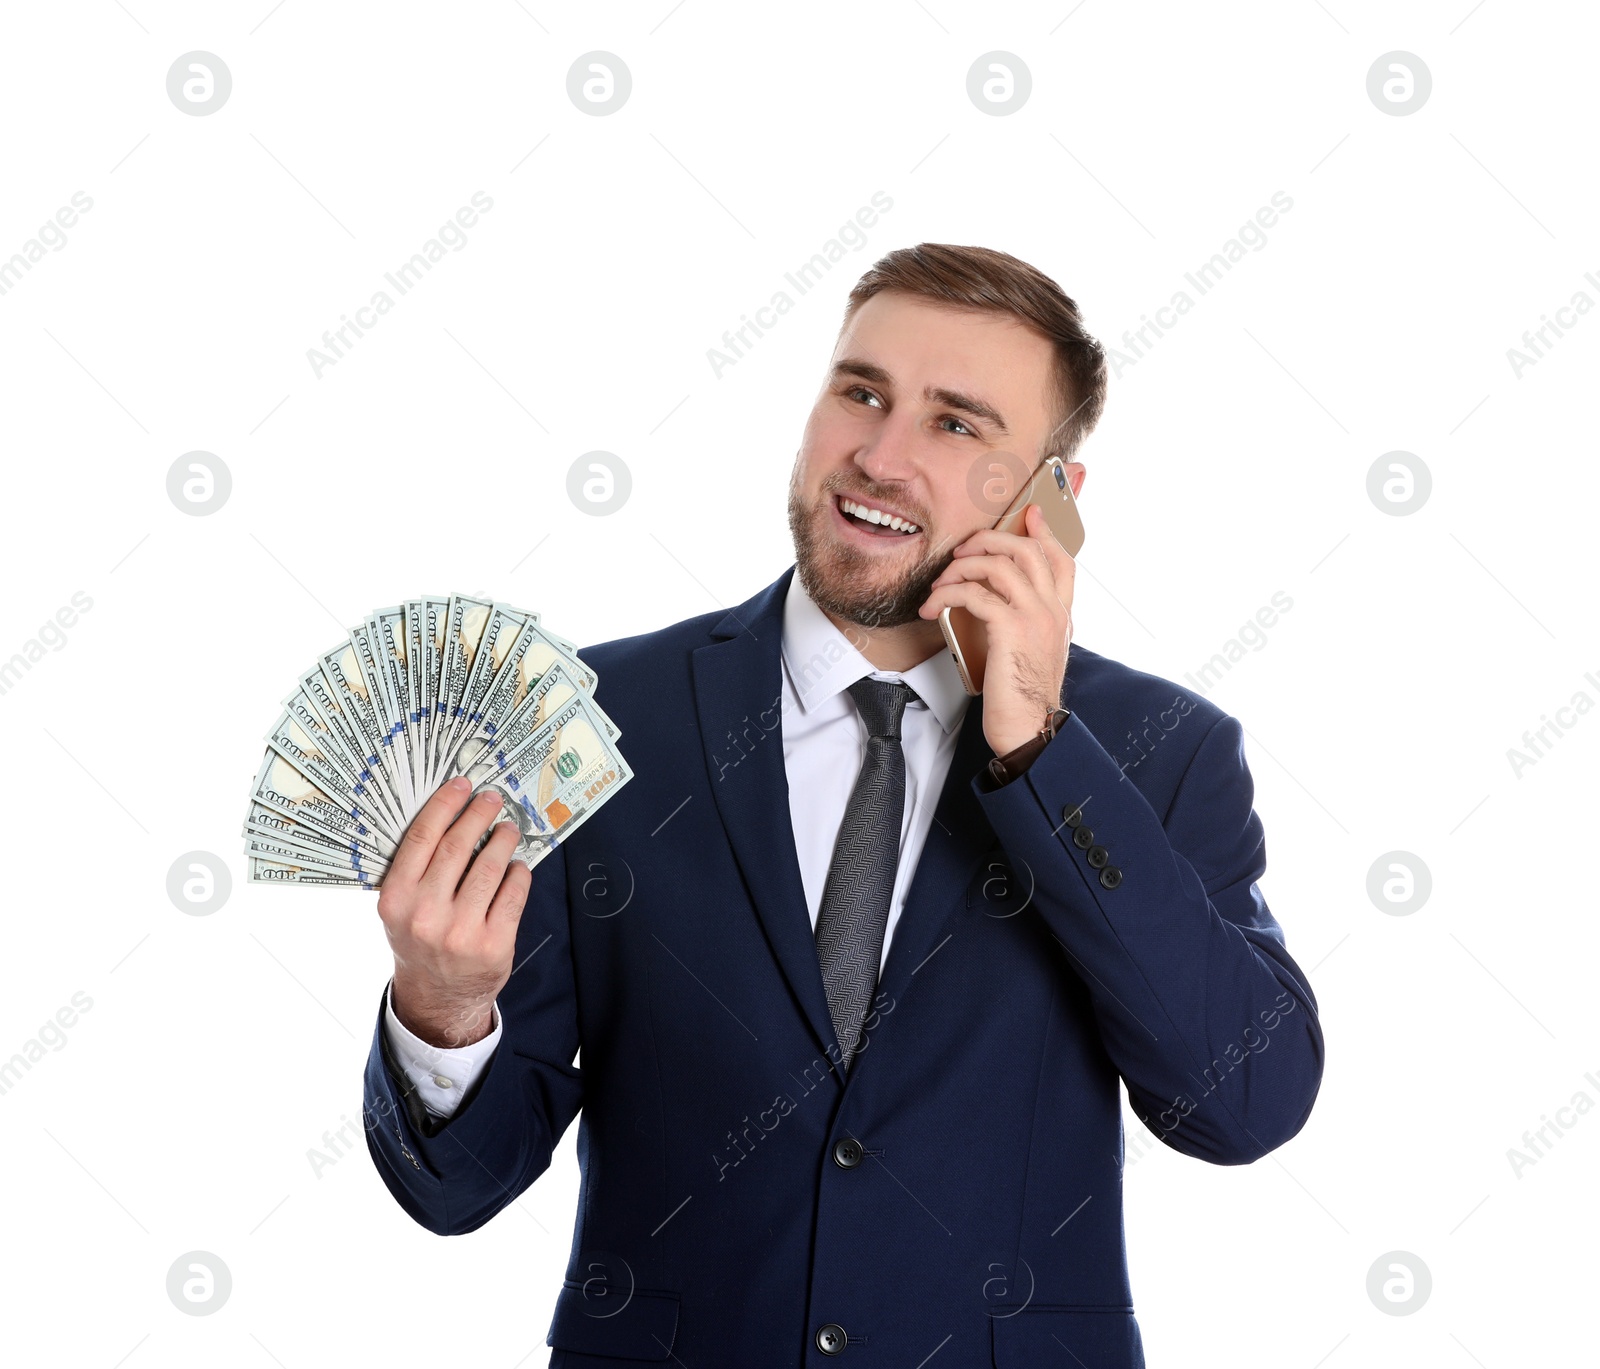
[892,648]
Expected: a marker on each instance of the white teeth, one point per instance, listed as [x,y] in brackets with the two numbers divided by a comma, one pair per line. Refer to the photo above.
[889,520]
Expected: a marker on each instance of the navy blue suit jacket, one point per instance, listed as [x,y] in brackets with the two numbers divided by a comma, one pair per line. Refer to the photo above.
[960,1189]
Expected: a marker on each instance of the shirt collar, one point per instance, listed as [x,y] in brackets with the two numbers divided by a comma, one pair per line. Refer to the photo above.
[821,662]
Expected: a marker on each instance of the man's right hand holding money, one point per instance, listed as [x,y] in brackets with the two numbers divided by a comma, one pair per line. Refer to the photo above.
[453,946]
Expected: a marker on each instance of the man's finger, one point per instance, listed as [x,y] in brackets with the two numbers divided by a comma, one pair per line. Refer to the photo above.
[1025,550]
[974,596]
[999,572]
[487,868]
[455,847]
[1062,564]
[506,909]
[433,819]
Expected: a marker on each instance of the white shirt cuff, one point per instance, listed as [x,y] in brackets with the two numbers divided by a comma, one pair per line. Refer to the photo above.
[440,1076]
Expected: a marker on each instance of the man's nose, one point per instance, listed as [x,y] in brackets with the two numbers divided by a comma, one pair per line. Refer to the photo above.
[890,457]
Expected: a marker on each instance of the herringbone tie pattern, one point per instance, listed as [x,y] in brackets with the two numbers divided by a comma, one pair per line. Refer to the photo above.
[866,853]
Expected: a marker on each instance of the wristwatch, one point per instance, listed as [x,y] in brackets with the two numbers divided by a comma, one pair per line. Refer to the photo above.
[1004,769]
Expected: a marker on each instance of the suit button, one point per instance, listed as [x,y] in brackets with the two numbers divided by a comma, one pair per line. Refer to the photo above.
[1110,877]
[830,1339]
[1072,815]
[1097,857]
[1083,838]
[847,1154]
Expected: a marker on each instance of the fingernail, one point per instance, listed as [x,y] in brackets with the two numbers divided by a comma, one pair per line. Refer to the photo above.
[460,783]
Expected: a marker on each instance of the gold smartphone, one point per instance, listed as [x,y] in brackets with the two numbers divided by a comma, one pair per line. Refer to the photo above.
[1048,488]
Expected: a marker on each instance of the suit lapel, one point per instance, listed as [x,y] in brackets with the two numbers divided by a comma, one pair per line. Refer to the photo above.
[738,696]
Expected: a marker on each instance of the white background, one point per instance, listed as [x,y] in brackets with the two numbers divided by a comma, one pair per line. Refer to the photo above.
[1231,464]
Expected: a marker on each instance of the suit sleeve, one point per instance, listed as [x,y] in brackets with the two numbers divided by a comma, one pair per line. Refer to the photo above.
[1211,1024]
[452,1174]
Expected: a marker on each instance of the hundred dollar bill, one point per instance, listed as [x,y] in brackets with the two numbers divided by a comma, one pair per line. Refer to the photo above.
[528,659]
[268,847]
[267,822]
[279,872]
[558,777]
[465,620]
[437,612]
[290,797]
[363,779]
[303,754]
[341,667]
[415,626]
[386,711]
[534,651]
[494,641]
[479,635]
[432,612]
[390,640]
[497,743]
[340,709]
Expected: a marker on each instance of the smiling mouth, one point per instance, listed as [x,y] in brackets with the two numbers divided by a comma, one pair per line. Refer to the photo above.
[874,521]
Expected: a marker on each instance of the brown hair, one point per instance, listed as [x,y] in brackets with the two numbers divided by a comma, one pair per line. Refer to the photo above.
[982,279]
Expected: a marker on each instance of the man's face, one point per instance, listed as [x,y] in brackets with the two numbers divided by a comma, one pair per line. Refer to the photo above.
[917,402]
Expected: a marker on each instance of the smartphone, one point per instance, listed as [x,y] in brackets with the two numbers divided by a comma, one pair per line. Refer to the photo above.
[1049,489]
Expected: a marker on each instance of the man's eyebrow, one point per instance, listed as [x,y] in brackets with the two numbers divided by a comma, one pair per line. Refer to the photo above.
[934,394]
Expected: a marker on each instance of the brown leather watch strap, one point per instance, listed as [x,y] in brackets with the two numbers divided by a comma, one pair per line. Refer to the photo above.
[1004,769]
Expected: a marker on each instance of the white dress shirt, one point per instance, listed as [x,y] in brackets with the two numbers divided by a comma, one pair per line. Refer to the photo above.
[824,744]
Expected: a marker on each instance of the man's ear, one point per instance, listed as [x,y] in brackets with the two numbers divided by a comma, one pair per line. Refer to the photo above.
[1076,471]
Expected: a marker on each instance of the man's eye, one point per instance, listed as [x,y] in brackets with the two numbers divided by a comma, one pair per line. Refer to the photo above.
[855,390]
[950,418]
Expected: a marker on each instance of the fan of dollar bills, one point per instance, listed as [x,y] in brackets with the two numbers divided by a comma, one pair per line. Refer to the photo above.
[416,695]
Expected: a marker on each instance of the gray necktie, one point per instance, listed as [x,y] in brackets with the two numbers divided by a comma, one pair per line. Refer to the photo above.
[866,853]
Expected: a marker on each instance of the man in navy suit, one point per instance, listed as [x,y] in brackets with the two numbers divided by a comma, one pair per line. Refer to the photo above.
[857,964]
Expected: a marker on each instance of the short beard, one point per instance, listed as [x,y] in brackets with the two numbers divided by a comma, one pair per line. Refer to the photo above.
[836,577]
